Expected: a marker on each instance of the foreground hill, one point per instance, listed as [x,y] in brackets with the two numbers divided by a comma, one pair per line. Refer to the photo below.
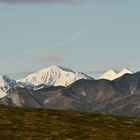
[23,123]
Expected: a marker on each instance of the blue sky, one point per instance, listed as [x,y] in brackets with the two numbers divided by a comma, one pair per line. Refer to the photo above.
[93,35]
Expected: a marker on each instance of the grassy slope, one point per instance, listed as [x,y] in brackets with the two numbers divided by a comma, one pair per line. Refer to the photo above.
[21,123]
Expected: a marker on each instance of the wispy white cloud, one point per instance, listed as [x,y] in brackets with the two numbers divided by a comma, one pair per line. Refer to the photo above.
[52,57]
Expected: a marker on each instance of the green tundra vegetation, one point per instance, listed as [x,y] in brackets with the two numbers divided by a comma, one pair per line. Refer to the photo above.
[26,123]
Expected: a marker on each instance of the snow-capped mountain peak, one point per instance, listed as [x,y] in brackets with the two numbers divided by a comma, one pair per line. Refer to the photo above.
[124,71]
[111,74]
[57,68]
[54,76]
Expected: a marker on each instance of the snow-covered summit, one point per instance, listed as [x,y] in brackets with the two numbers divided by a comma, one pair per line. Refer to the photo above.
[56,68]
[111,74]
[124,71]
[54,76]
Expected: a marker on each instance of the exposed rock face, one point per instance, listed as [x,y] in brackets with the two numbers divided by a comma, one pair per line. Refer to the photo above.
[5,84]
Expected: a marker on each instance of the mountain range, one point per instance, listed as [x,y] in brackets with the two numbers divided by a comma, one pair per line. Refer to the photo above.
[50,76]
[55,89]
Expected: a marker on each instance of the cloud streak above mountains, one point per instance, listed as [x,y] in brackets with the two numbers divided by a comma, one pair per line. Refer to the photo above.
[41,1]
[52,57]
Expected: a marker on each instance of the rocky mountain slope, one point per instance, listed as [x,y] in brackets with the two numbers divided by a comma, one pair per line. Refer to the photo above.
[5,84]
